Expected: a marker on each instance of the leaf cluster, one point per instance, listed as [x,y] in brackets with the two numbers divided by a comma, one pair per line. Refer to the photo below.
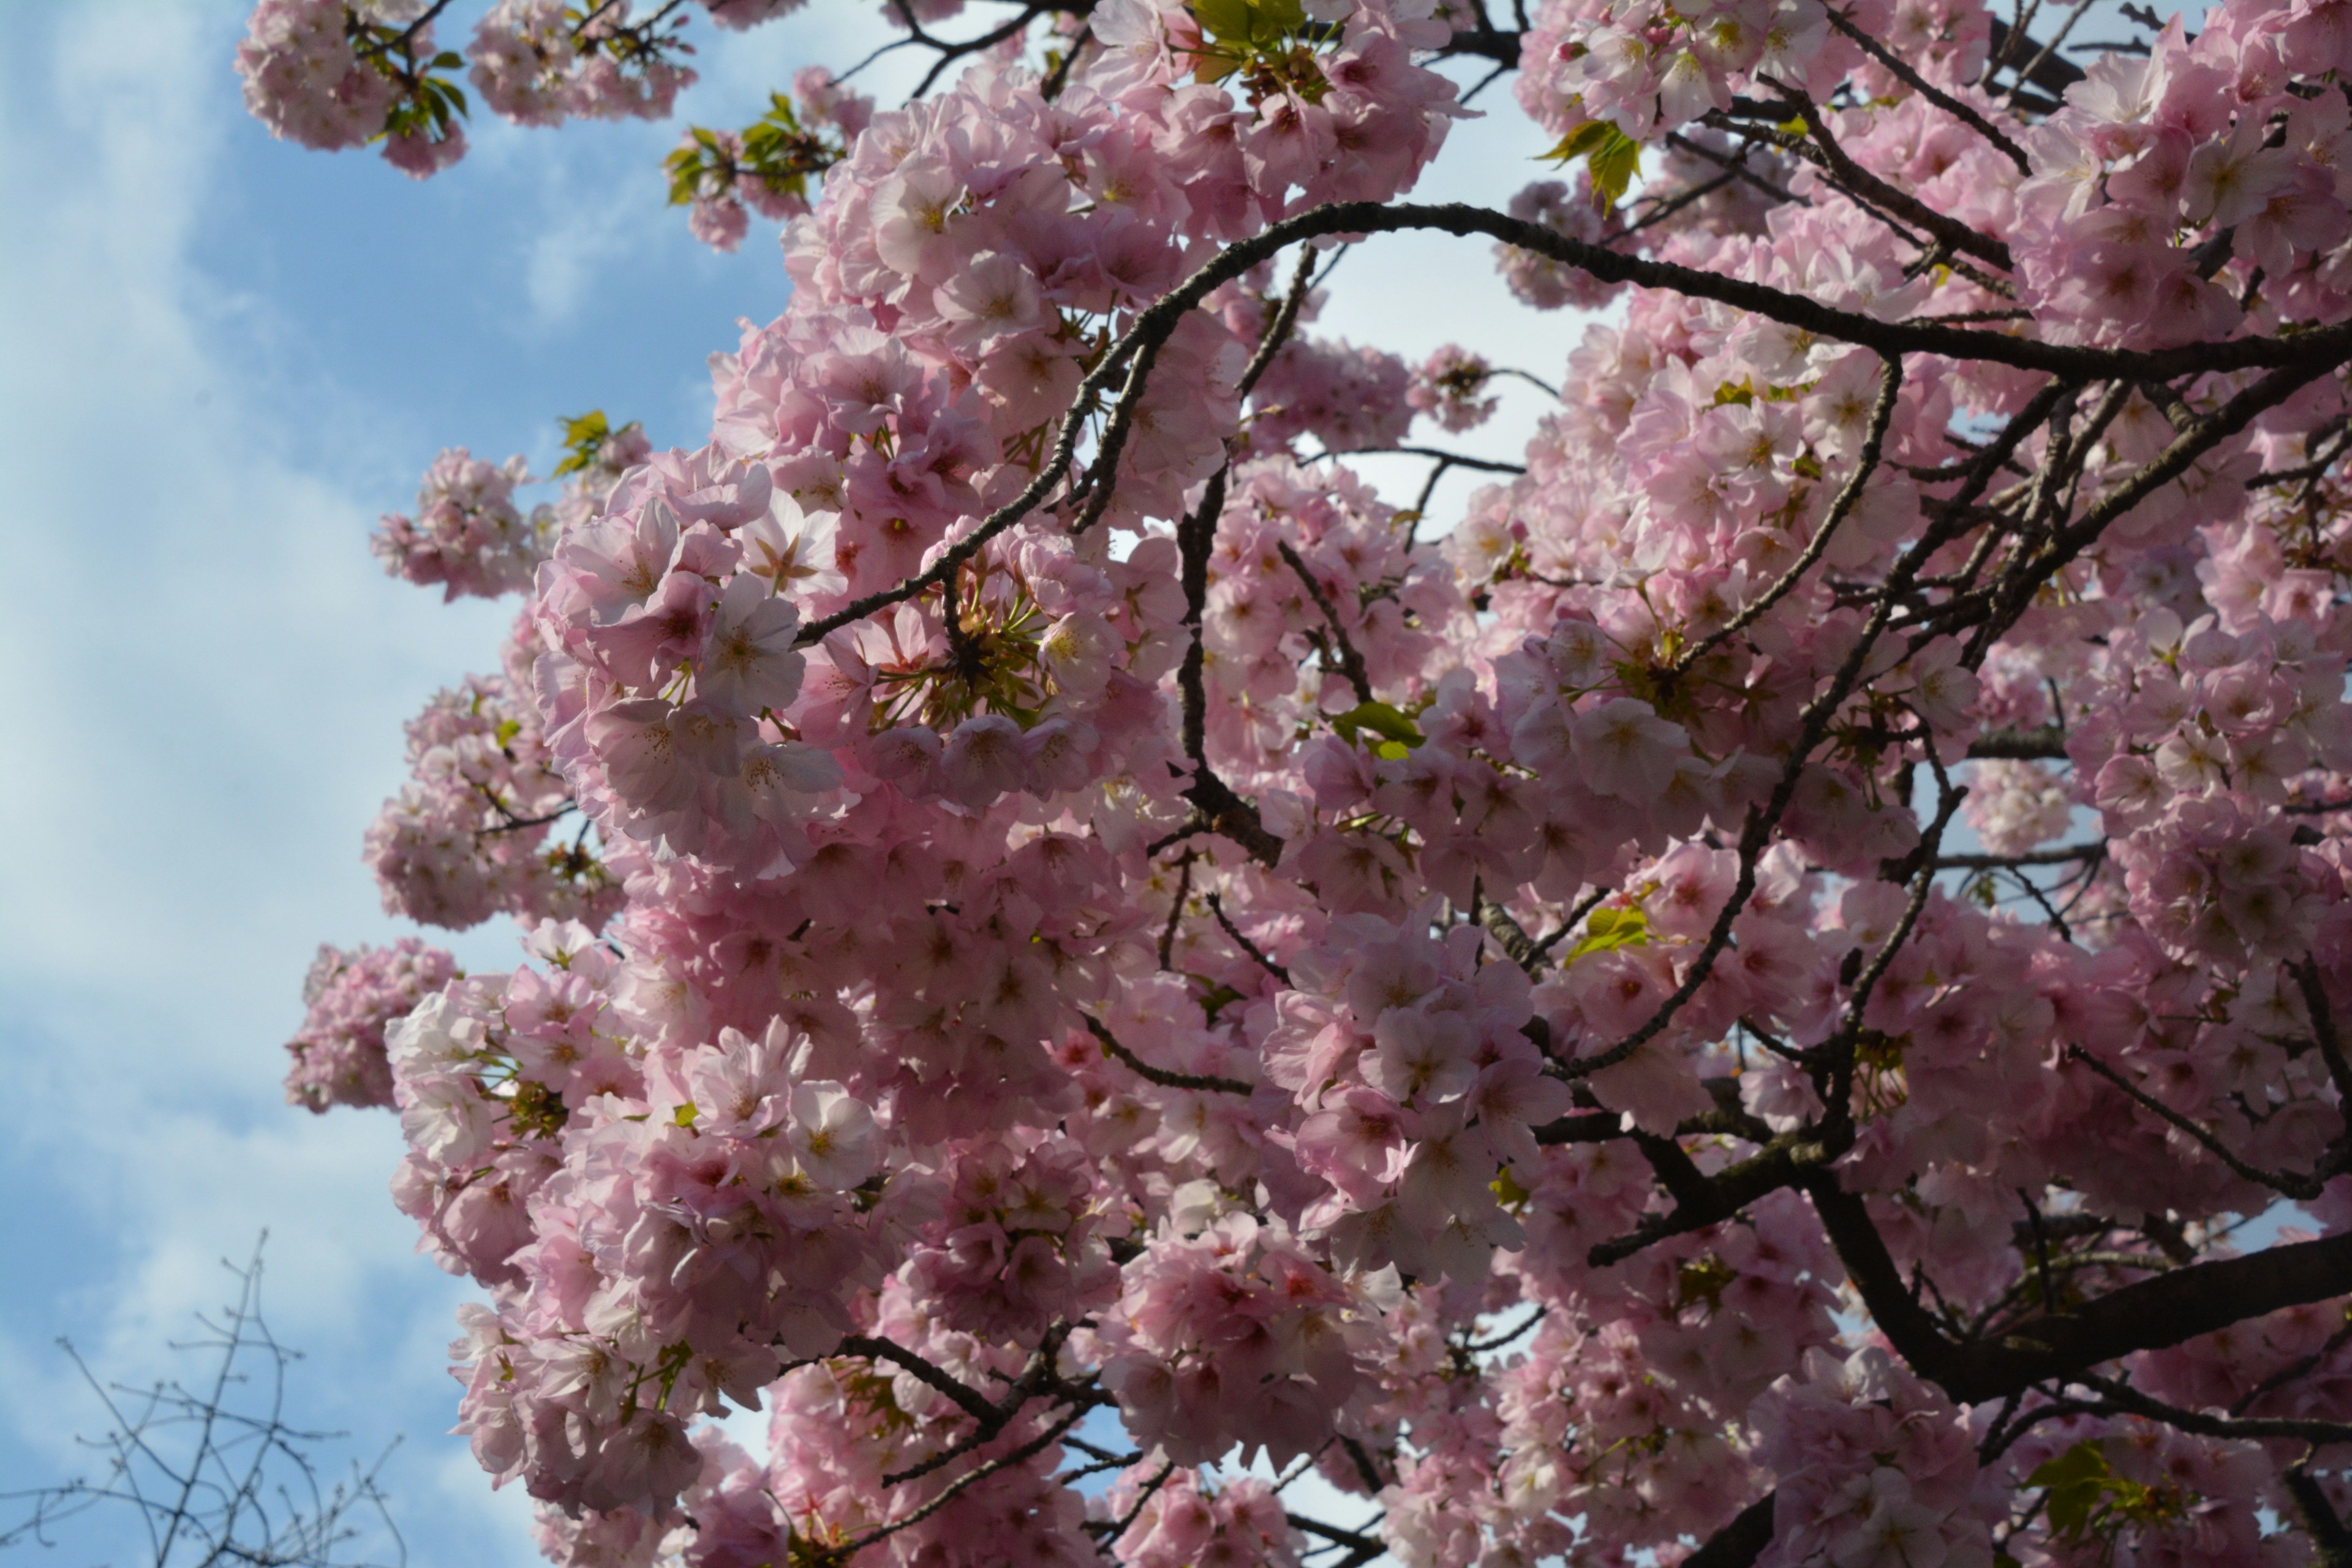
[1606,929]
[1266,42]
[429,105]
[2088,1503]
[584,441]
[777,151]
[1397,734]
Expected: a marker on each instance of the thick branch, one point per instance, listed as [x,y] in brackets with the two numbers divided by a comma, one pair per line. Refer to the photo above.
[2319,1516]
[874,1347]
[1785,1162]
[2048,744]
[2147,1315]
[1740,1542]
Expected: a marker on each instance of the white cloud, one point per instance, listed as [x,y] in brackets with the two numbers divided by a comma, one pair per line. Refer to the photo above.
[208,677]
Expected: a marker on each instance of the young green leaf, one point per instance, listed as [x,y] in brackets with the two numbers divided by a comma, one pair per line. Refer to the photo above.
[1383,720]
[1606,930]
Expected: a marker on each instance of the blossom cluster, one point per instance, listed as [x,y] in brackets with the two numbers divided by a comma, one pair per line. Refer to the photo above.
[471,834]
[350,997]
[467,536]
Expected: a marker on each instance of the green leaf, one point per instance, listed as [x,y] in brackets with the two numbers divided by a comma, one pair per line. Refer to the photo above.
[1261,23]
[1216,999]
[1578,142]
[1237,31]
[1613,168]
[1284,17]
[1381,719]
[1606,930]
[583,436]
[780,112]
[2076,1482]
[1613,158]
[1222,19]
[685,1114]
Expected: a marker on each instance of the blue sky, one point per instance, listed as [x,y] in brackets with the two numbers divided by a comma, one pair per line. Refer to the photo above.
[220,358]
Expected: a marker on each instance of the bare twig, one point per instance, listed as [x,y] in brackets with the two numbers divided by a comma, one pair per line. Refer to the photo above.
[242,1487]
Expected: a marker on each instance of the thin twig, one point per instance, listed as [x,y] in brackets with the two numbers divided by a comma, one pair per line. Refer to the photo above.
[1217,907]
[1932,93]
[1200,1082]
[2302,1188]
[1351,663]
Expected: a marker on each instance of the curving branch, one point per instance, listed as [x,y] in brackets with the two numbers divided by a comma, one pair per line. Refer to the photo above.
[2302,1188]
[1277,331]
[2122,1398]
[1206,1083]
[1217,907]
[2148,1314]
[951,50]
[1450,459]
[969,1399]
[819,1552]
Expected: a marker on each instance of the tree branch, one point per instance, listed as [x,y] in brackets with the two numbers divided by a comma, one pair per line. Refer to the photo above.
[1742,1542]
[2148,1314]
[1882,414]
[1217,907]
[1200,1082]
[1351,663]
[1949,231]
[1932,93]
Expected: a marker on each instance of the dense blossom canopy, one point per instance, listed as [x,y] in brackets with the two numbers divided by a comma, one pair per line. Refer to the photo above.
[1047,896]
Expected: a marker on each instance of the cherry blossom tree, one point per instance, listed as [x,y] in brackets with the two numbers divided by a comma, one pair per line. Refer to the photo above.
[1773,989]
